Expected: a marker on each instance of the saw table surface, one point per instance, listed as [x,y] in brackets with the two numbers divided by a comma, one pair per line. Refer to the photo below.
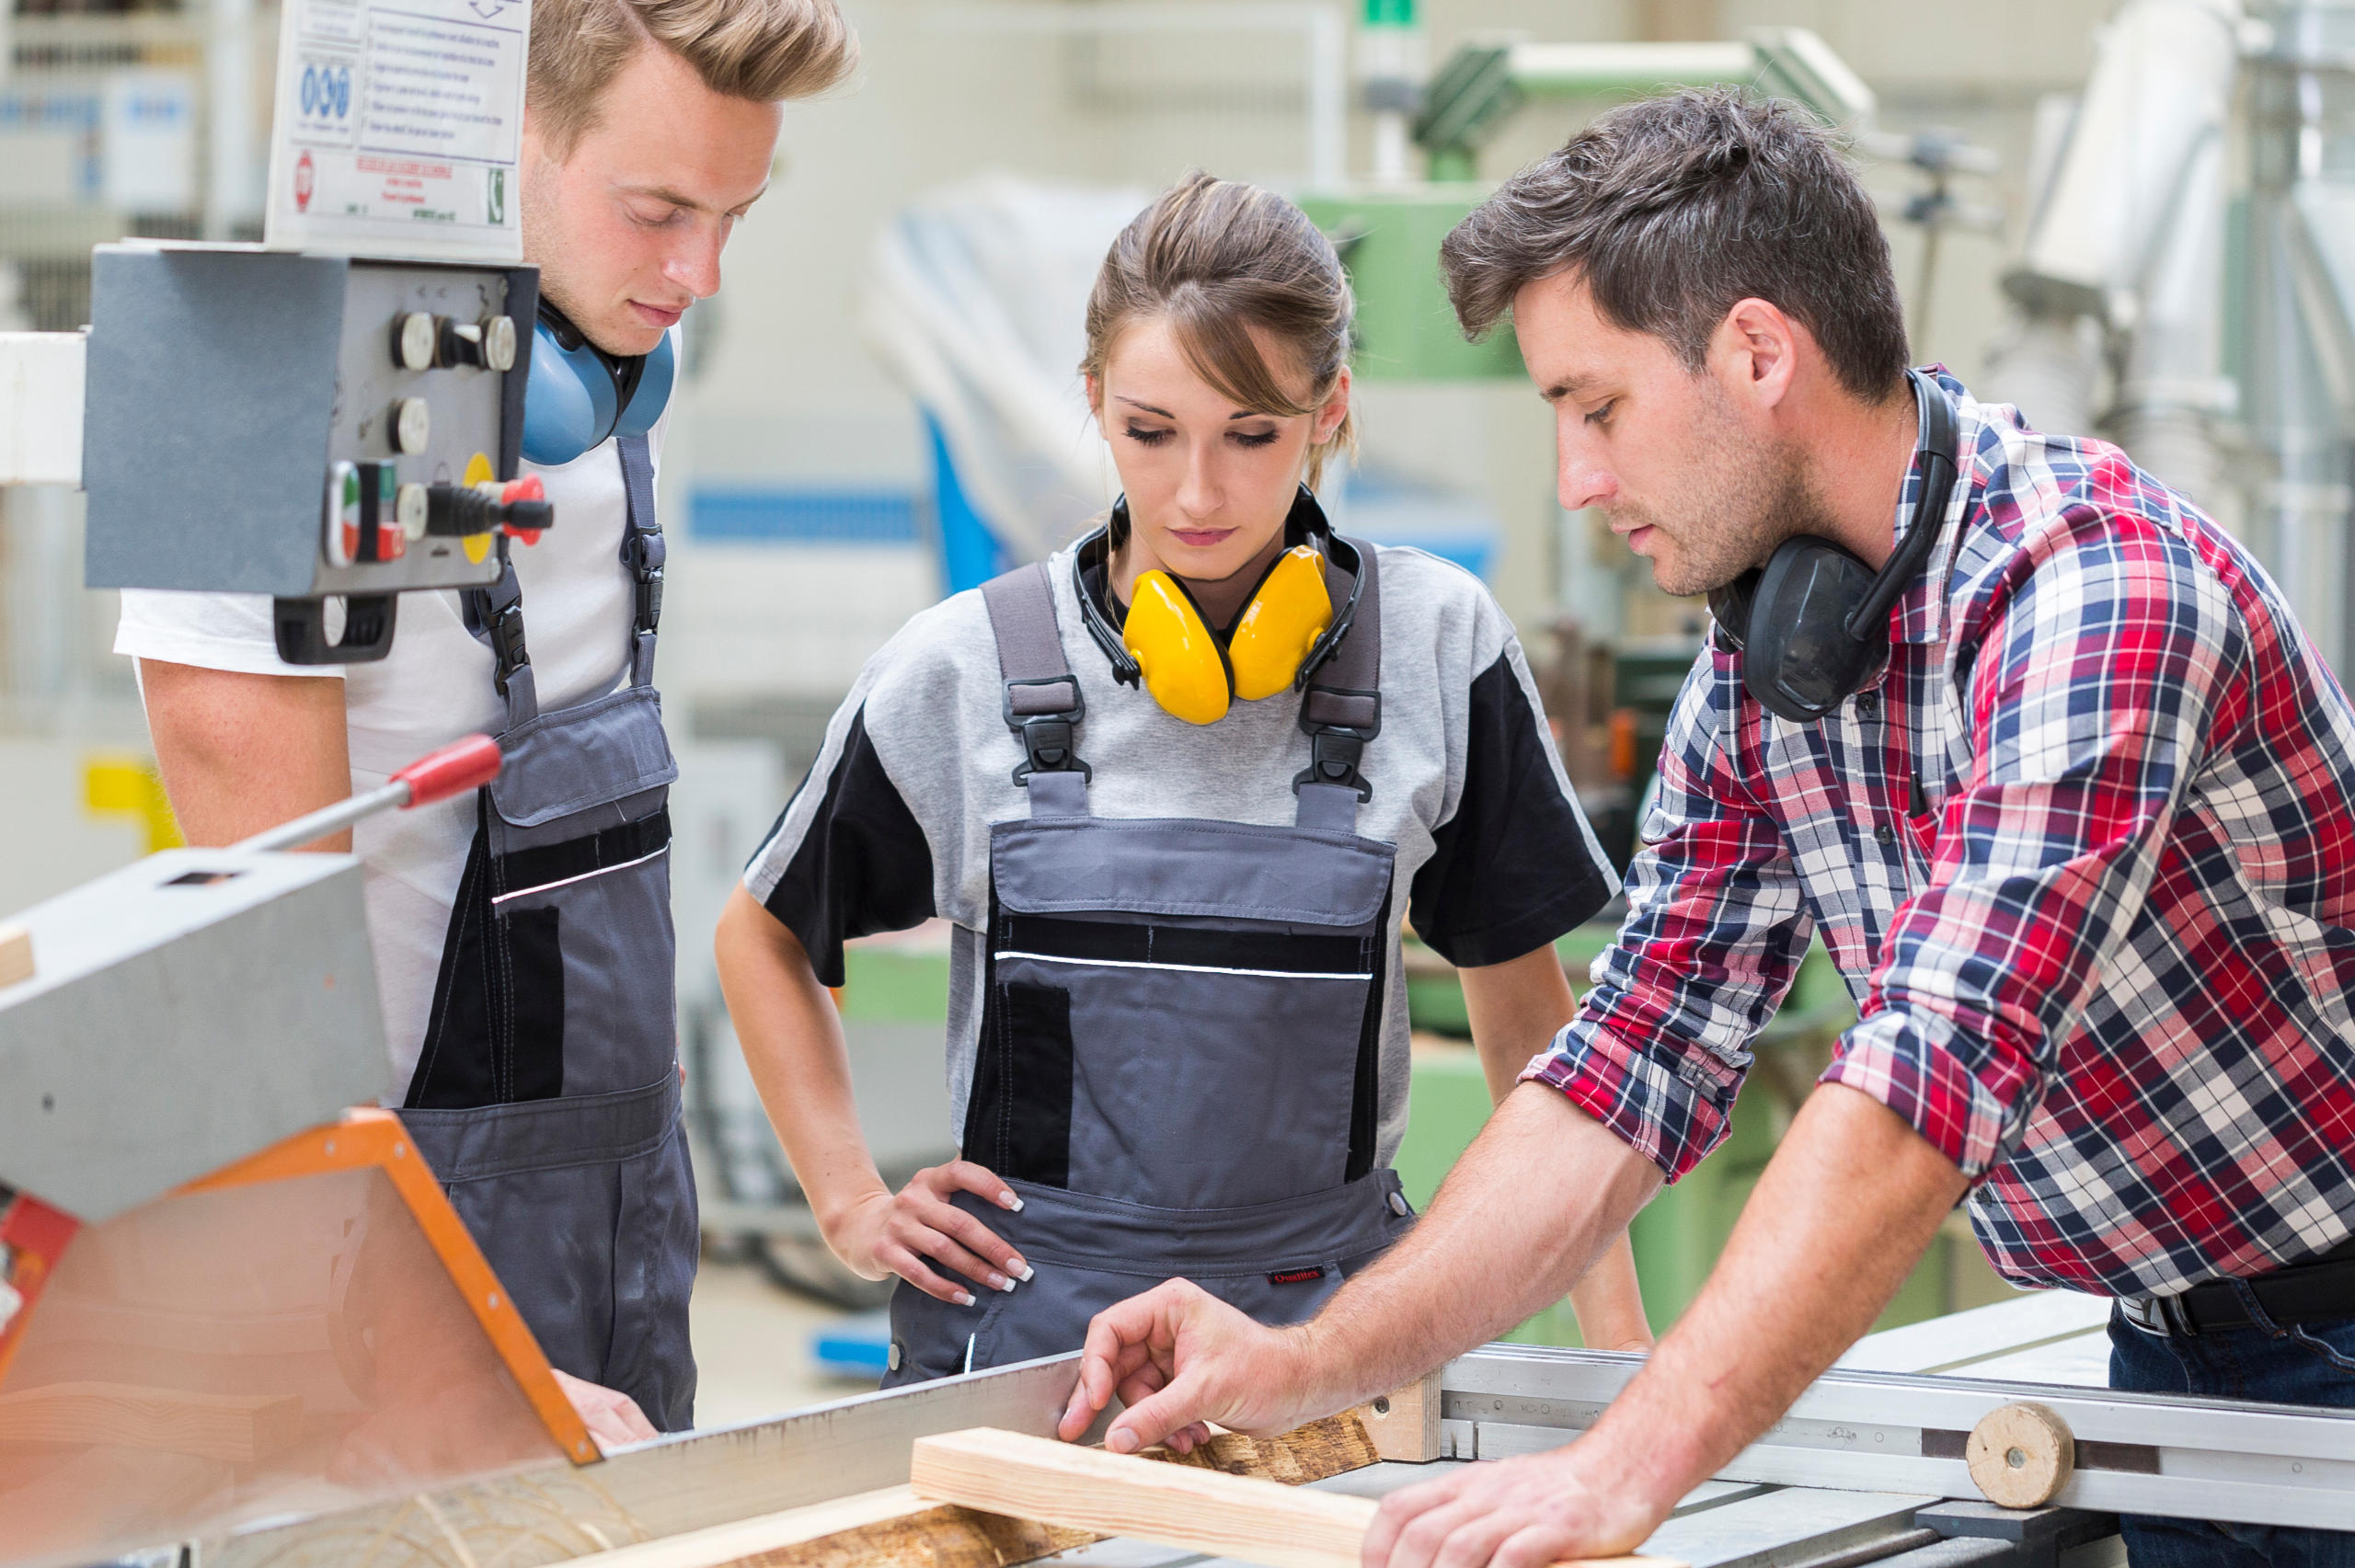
[2055,1337]
[1721,1525]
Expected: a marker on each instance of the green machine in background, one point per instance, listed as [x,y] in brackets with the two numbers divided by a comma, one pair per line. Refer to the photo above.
[1388,231]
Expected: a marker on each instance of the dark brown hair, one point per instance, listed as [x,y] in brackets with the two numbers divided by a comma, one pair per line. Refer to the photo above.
[1216,257]
[1674,209]
[759,49]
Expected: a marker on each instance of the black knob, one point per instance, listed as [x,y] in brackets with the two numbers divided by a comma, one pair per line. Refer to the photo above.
[530,514]
[458,511]
[460,342]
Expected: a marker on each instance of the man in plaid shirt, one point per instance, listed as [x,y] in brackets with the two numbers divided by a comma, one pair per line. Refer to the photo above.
[2085,851]
[2083,845]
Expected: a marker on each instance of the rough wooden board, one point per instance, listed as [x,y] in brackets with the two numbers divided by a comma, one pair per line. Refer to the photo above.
[1199,1510]
[893,1527]
[1314,1452]
[942,1537]
[732,1543]
[16,955]
[1403,1422]
[240,1428]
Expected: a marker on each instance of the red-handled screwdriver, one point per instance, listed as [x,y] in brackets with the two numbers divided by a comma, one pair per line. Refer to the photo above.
[461,765]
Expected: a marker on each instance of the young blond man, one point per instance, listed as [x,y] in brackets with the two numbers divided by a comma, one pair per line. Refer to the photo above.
[525,971]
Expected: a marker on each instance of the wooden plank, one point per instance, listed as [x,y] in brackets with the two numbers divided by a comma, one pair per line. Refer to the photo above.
[895,1528]
[16,955]
[1035,1478]
[1199,1510]
[1403,1422]
[237,1427]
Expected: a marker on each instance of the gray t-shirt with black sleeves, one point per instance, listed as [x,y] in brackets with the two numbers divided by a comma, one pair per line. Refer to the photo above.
[892,825]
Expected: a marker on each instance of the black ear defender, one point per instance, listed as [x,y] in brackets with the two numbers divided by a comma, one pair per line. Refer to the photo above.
[1812,625]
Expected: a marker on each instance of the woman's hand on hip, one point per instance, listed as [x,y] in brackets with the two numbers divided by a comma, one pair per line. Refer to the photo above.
[916,1234]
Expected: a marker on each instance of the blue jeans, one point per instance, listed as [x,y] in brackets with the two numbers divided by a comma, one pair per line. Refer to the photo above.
[2307,1364]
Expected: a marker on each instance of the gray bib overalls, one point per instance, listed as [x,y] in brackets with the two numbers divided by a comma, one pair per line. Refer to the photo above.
[546,1095]
[1180,1028]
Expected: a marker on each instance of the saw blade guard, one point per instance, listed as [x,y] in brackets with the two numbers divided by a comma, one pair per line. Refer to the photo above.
[308,1329]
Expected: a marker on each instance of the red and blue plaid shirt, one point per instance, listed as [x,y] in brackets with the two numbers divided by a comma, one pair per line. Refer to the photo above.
[2084,852]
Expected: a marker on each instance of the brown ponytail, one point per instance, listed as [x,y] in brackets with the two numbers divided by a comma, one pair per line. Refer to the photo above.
[1216,257]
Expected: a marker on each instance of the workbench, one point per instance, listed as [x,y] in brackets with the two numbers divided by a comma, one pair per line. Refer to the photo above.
[1867,1469]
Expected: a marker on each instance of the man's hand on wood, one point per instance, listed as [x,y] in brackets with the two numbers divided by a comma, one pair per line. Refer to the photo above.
[1178,1357]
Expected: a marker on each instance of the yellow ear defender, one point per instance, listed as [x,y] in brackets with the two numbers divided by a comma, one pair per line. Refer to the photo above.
[1188,670]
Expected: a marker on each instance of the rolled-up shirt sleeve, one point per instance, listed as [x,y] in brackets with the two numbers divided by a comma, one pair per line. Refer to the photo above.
[2103,678]
[1714,935]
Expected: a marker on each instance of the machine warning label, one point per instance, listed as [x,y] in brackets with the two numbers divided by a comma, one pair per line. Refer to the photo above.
[398,126]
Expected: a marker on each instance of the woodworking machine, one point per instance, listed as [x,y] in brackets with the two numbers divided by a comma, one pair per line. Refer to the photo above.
[239,1315]
[227,1294]
[1885,1459]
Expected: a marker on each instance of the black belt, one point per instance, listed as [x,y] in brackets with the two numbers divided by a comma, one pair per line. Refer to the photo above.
[2318,1290]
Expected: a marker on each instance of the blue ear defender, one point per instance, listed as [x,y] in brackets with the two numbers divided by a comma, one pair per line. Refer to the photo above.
[578,395]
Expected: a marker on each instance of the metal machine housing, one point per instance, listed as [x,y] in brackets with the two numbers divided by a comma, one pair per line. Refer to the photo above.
[244,376]
[184,1010]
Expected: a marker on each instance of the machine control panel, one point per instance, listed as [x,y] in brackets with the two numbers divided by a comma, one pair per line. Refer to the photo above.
[329,431]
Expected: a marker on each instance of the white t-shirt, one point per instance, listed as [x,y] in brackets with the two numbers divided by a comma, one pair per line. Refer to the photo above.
[434,686]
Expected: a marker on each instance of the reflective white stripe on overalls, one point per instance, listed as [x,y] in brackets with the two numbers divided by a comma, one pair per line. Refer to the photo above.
[546,1095]
[1181,1027]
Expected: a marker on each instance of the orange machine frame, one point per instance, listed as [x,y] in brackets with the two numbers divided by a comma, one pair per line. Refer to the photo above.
[369,1136]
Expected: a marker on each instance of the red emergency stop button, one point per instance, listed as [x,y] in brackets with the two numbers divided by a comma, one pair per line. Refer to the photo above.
[526,503]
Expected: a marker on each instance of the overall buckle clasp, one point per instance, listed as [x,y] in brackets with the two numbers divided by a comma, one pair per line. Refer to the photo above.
[1333,755]
[506,633]
[1045,713]
[1339,722]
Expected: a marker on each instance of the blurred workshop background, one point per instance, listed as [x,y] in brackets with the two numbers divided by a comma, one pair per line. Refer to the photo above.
[2137,221]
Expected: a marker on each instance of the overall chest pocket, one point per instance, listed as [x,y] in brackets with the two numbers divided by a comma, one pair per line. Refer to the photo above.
[556,968]
[1178,1013]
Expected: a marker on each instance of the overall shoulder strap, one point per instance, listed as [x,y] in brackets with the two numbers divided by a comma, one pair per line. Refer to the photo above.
[642,553]
[1341,707]
[495,615]
[1041,702]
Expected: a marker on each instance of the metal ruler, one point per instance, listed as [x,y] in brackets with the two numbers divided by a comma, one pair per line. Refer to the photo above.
[2221,1459]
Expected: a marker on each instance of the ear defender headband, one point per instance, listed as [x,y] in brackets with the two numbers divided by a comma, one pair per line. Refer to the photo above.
[578,395]
[1287,628]
[1813,625]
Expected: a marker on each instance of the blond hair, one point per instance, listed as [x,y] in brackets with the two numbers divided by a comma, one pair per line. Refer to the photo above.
[1216,257]
[759,49]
